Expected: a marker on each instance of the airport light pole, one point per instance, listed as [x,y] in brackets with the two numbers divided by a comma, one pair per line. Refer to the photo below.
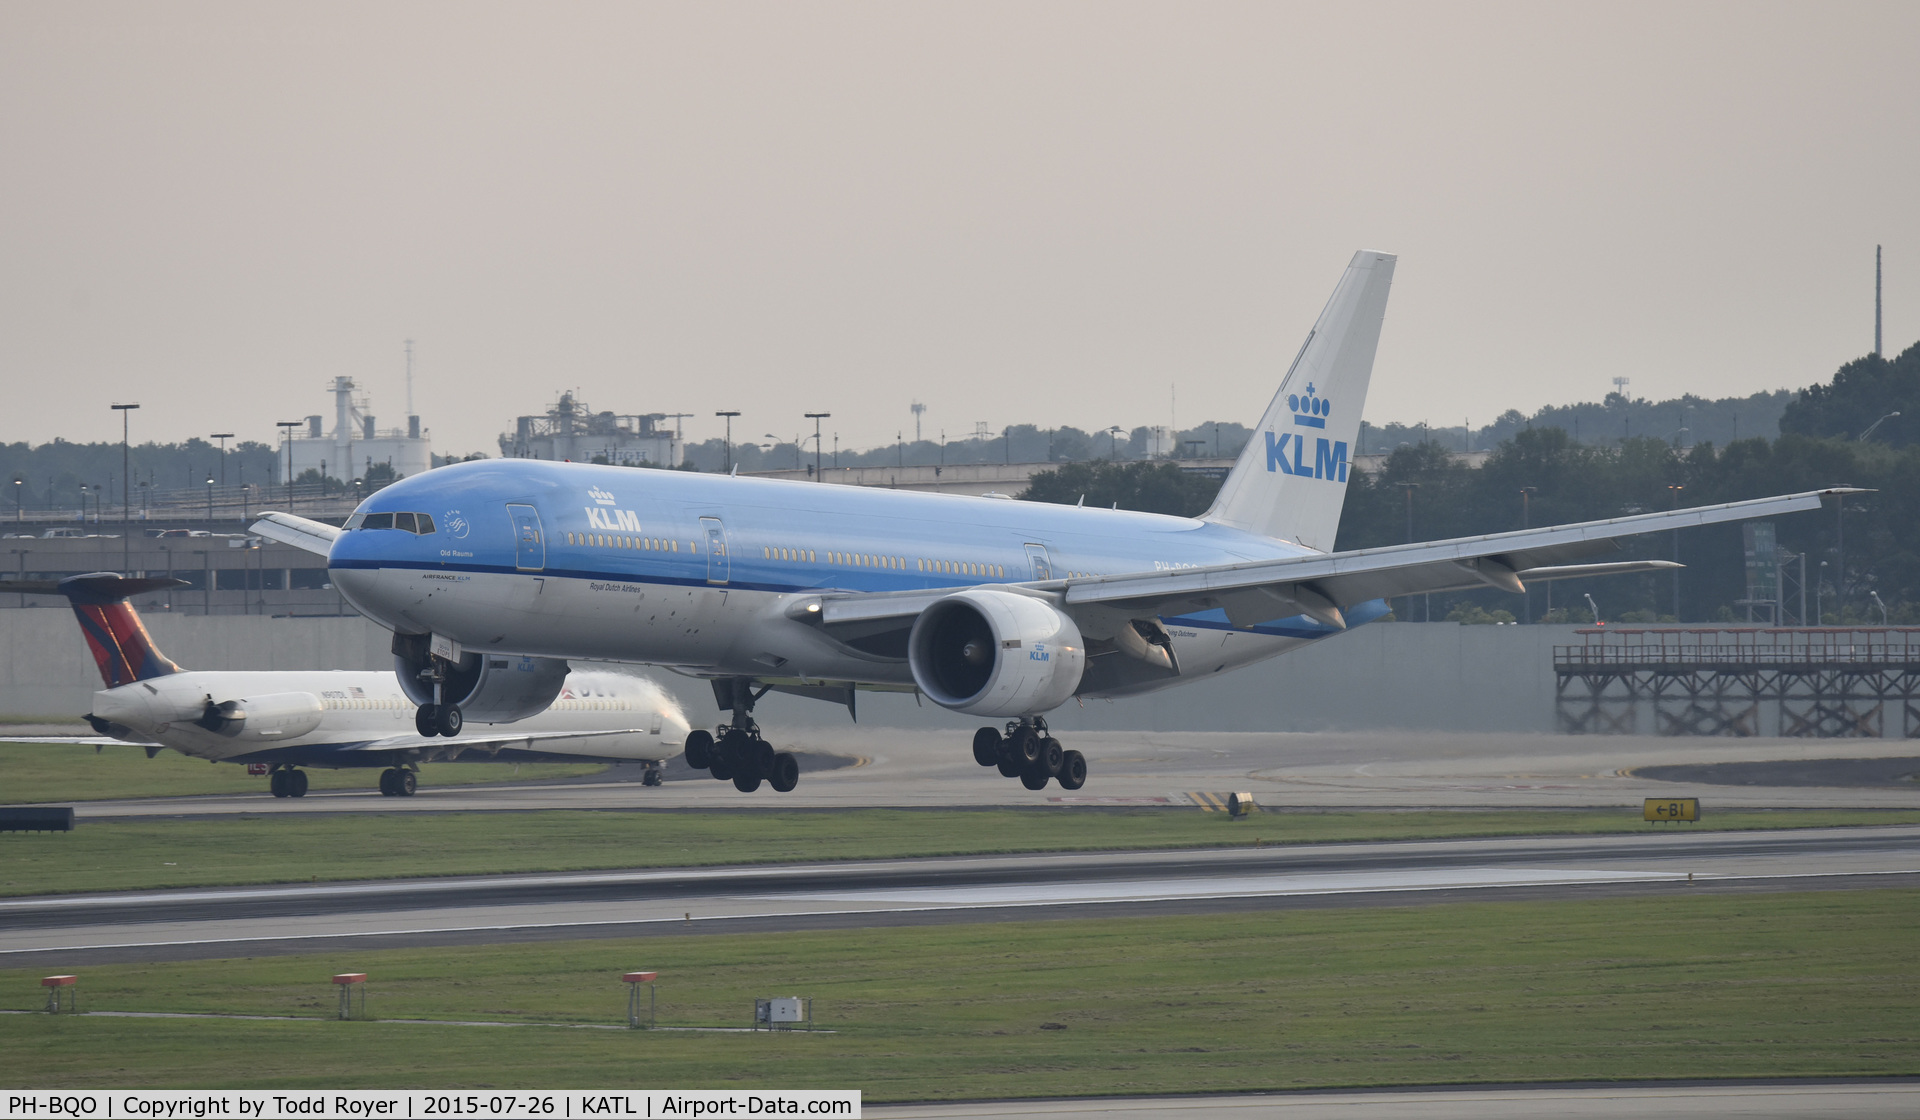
[1675,491]
[1113,443]
[223,437]
[728,468]
[1410,487]
[209,502]
[19,503]
[126,488]
[287,436]
[1876,424]
[816,417]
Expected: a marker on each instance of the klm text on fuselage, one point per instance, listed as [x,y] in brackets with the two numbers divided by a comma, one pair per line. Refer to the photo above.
[1329,457]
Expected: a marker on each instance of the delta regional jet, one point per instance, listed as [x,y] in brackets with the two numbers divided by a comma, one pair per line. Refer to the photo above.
[996,608]
[277,722]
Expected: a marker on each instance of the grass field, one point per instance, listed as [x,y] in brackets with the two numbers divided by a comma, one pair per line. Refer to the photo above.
[1770,985]
[43,772]
[144,854]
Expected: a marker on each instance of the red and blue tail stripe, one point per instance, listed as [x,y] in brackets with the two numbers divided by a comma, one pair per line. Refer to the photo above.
[119,640]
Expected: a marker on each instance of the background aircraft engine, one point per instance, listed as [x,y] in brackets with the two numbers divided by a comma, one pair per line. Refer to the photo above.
[488,687]
[263,719]
[995,653]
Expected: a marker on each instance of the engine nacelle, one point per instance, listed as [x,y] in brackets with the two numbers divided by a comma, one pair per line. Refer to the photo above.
[488,687]
[995,653]
[263,719]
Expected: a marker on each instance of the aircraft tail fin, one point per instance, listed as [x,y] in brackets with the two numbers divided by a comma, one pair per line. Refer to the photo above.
[119,640]
[1291,479]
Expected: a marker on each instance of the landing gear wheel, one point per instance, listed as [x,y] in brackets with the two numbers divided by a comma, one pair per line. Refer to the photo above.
[651,777]
[1052,756]
[699,749]
[448,720]
[986,746]
[1073,770]
[1034,778]
[762,755]
[1025,745]
[406,783]
[746,781]
[785,773]
[1010,765]
[279,784]
[387,784]
[296,783]
[426,721]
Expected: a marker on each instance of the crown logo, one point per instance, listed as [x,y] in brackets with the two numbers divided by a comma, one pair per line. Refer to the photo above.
[600,496]
[1309,411]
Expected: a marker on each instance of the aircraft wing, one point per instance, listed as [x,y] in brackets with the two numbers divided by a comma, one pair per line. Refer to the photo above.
[527,739]
[1319,586]
[314,536]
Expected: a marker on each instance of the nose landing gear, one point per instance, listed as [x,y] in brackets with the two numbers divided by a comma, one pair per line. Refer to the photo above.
[1027,752]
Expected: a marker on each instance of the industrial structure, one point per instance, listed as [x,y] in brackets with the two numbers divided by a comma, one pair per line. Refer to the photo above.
[356,444]
[571,431]
[1814,682]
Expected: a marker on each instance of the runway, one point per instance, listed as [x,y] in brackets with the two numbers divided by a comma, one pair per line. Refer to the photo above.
[888,767]
[229,922]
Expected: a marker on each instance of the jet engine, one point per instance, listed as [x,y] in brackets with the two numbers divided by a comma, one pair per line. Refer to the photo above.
[995,653]
[487,687]
[261,719]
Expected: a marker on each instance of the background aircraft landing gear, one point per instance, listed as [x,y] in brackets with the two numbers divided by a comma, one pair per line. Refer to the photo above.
[398,782]
[288,782]
[1029,753]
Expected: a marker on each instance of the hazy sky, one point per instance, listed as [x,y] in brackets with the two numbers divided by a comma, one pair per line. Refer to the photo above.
[1021,212]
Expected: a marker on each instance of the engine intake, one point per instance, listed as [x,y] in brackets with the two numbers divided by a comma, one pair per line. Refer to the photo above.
[487,687]
[995,653]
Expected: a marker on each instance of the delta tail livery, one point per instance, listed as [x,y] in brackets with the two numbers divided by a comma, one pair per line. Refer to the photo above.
[999,609]
[281,721]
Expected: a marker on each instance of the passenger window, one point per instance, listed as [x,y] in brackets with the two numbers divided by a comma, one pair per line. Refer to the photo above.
[378,521]
[403,522]
[422,523]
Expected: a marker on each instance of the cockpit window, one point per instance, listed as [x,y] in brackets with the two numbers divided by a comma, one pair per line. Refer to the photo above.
[353,522]
[403,522]
[423,523]
[378,521]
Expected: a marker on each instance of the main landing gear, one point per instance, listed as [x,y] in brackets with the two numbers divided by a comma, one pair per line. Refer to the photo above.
[1028,753]
[740,753]
[398,782]
[438,719]
[288,782]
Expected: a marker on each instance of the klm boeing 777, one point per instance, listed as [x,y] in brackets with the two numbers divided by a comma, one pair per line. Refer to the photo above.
[999,609]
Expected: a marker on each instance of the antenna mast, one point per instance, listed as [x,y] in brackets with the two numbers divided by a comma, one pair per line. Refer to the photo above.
[1877,352]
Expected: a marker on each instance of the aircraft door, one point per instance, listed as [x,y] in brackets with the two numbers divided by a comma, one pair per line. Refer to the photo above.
[529,542]
[1042,566]
[716,534]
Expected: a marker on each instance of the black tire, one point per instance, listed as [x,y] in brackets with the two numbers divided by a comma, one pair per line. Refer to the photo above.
[386,783]
[785,774]
[746,782]
[448,720]
[407,783]
[721,767]
[699,749]
[651,777]
[425,721]
[1010,765]
[1052,756]
[278,784]
[1035,778]
[763,755]
[986,746]
[1073,770]
[296,783]
[1025,745]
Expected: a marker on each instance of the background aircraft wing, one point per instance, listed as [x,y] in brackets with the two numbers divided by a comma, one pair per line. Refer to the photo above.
[1320,586]
[314,536]
[531,740]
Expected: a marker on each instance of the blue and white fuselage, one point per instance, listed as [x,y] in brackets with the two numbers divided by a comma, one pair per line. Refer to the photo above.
[703,572]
